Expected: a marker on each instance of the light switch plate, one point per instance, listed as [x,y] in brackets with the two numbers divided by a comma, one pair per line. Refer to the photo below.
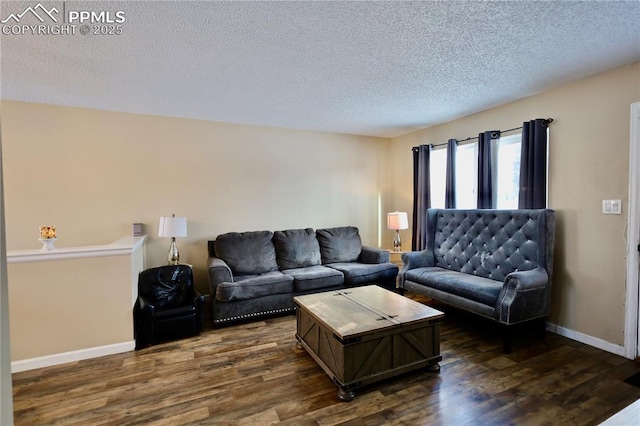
[611,206]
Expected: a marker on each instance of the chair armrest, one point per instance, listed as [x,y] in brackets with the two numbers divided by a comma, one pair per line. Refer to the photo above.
[524,295]
[417,259]
[145,305]
[373,255]
[198,301]
[143,322]
[198,298]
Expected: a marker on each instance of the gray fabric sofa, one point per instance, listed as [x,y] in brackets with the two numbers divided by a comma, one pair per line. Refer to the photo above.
[494,263]
[255,274]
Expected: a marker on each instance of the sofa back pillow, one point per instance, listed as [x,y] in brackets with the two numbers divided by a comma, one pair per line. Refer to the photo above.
[339,245]
[247,253]
[296,248]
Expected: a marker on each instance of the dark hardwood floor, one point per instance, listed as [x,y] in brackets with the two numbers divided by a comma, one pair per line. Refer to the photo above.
[253,373]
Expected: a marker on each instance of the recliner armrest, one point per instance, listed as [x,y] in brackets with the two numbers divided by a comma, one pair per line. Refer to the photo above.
[145,305]
[373,255]
[198,298]
[198,302]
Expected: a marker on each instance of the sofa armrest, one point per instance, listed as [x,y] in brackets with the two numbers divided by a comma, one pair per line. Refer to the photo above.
[373,255]
[417,259]
[524,295]
[219,272]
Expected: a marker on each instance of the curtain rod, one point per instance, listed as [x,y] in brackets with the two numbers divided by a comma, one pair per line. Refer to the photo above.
[544,124]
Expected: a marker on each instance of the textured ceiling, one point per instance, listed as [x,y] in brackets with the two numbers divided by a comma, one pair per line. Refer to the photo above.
[368,68]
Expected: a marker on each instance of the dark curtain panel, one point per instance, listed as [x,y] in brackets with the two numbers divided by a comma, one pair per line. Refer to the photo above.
[421,196]
[485,172]
[450,189]
[533,165]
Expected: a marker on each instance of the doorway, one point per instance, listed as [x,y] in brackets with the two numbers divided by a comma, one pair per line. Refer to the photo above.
[632,319]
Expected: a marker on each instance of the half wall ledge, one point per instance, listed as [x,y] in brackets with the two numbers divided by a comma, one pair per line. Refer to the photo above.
[69,304]
[123,246]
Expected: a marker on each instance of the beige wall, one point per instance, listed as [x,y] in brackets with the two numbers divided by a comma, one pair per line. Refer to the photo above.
[69,305]
[588,162]
[93,173]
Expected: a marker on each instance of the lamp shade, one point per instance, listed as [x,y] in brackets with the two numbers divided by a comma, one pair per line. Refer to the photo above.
[397,220]
[172,227]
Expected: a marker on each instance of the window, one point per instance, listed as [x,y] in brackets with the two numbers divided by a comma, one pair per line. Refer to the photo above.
[506,178]
[467,176]
[438,176]
[507,182]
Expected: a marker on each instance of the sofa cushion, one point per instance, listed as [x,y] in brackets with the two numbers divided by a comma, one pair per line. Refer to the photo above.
[247,253]
[356,273]
[252,286]
[480,289]
[314,278]
[296,248]
[338,245]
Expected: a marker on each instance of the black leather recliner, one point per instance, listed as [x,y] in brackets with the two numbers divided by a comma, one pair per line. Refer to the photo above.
[168,306]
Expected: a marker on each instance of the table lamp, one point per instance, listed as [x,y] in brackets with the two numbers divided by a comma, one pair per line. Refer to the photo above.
[397,221]
[173,227]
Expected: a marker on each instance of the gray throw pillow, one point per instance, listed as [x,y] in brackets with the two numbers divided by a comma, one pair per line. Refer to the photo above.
[247,252]
[296,248]
[339,245]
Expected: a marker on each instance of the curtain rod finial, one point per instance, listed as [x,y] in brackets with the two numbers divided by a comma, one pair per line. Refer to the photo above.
[546,122]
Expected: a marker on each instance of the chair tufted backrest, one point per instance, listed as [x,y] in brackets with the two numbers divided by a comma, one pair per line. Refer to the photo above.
[490,243]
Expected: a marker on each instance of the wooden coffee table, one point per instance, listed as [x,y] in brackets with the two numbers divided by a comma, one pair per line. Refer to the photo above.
[365,334]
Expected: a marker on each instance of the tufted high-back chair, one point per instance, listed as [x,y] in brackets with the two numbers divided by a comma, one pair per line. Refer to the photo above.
[490,243]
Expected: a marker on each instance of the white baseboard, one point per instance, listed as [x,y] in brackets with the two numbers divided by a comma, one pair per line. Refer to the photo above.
[65,357]
[79,355]
[587,340]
